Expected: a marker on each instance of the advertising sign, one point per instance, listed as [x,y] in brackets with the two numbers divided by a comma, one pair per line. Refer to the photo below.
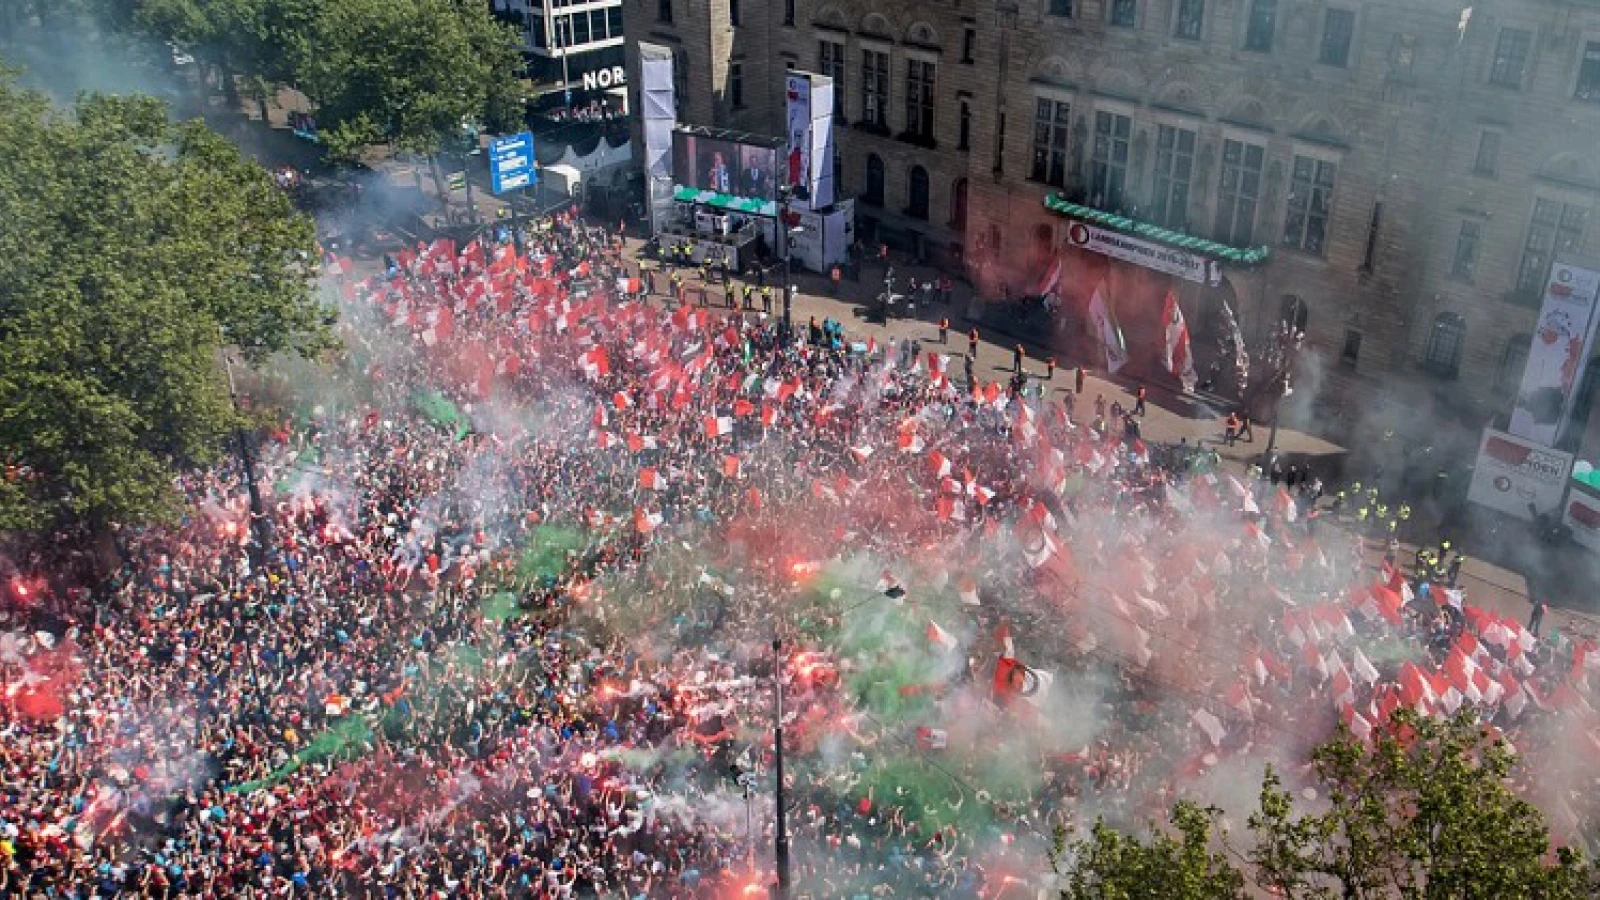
[726,167]
[1513,472]
[1184,265]
[1582,515]
[1559,352]
[511,162]
[797,93]
[820,182]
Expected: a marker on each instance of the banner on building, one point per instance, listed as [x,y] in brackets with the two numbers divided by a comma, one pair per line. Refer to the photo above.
[1107,330]
[1558,355]
[797,95]
[658,97]
[1116,245]
[1513,472]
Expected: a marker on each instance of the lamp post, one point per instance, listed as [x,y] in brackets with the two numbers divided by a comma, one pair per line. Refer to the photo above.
[781,843]
[1281,355]
[786,326]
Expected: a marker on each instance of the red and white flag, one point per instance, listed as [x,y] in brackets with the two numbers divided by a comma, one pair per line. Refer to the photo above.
[652,480]
[1176,354]
[646,522]
[943,640]
[718,426]
[1107,330]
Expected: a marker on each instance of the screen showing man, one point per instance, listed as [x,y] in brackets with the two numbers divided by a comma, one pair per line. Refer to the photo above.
[755,171]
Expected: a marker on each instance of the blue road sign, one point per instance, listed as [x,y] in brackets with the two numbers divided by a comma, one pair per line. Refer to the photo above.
[511,162]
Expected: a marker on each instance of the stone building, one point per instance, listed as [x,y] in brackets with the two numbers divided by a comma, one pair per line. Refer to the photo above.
[1393,177]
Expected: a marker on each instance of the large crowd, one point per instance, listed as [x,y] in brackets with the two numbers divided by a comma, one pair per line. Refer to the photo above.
[527,549]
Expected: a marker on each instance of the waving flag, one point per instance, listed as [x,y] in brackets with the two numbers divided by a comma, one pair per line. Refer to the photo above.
[1106,328]
[1176,355]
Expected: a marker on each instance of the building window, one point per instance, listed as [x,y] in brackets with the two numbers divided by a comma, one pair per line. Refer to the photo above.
[1108,176]
[1488,159]
[1556,228]
[1443,355]
[1050,122]
[1124,12]
[1061,8]
[1466,258]
[830,62]
[917,193]
[1238,192]
[1191,16]
[1310,197]
[1589,74]
[919,99]
[1000,145]
[1510,57]
[1369,255]
[733,13]
[958,205]
[969,45]
[736,85]
[874,192]
[964,133]
[1351,353]
[1513,361]
[1262,26]
[1174,169]
[1338,29]
[788,12]
[664,11]
[875,88]
[580,29]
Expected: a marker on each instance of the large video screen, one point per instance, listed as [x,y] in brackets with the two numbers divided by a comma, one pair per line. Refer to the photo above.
[727,167]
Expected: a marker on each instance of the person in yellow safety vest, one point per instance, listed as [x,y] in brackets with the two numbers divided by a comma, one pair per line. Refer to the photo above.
[1383,510]
[766,299]
[1361,514]
[1404,512]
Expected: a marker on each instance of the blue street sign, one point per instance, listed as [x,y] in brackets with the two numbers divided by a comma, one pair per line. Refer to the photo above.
[511,163]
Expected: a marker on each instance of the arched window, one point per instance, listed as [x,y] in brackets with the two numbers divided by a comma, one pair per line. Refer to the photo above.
[1293,312]
[874,191]
[917,193]
[958,205]
[1513,361]
[1445,341]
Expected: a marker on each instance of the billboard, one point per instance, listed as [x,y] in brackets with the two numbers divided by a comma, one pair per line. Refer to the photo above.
[1582,514]
[725,166]
[1513,472]
[1558,354]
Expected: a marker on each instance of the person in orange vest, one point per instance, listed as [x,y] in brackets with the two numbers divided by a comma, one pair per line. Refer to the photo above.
[1231,429]
[1017,356]
[972,341]
[835,276]
[1050,369]
[944,330]
[1138,401]
[1078,381]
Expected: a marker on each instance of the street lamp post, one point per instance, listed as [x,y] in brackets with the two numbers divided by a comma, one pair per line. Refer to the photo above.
[1282,353]
[781,843]
[785,329]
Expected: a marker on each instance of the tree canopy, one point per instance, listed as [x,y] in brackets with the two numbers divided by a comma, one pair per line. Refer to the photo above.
[402,72]
[1424,813]
[132,246]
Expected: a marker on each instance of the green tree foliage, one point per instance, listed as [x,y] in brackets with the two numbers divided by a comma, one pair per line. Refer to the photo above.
[130,247]
[408,72]
[1423,814]
[1182,865]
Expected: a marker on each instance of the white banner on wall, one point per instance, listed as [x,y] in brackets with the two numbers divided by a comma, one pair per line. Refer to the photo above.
[1116,245]
[1513,472]
[821,183]
[1558,355]
[1582,515]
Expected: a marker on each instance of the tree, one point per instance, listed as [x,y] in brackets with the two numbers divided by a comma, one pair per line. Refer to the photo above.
[1109,865]
[1425,813]
[131,248]
[1422,814]
[409,73]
